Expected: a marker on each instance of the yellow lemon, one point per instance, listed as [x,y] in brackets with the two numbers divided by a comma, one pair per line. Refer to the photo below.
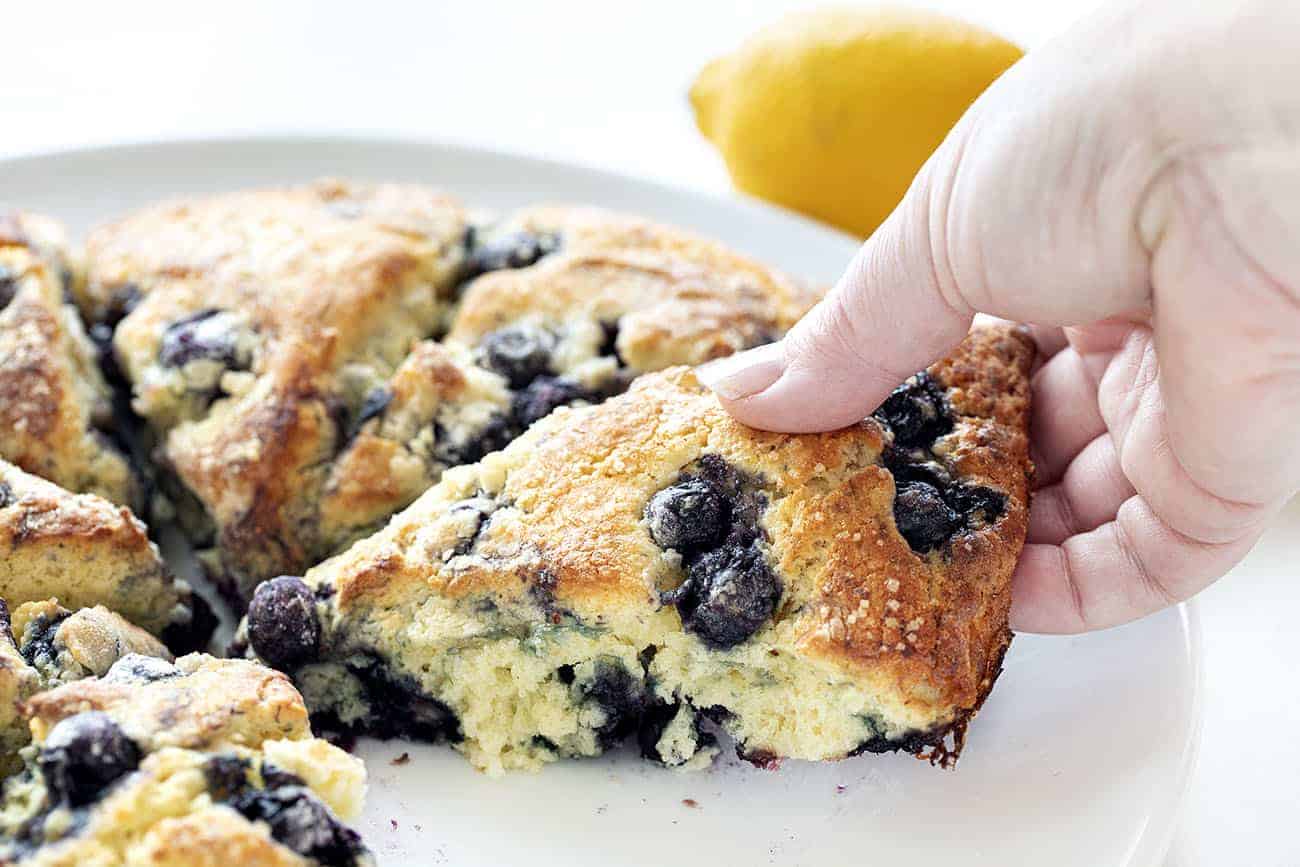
[832,112]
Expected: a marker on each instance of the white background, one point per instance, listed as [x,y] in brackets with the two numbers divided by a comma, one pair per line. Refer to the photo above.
[603,84]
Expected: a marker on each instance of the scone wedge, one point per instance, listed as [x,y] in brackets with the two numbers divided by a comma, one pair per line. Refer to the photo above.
[84,551]
[56,409]
[43,645]
[650,566]
[200,762]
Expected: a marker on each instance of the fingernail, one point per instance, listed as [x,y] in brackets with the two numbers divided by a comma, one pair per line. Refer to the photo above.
[744,374]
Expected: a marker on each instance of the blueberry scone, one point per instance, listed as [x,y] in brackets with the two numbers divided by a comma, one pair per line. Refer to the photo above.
[649,565]
[85,551]
[559,306]
[56,409]
[254,329]
[198,762]
[43,645]
[283,345]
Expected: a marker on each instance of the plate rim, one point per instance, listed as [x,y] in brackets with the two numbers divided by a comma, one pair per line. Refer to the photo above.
[140,147]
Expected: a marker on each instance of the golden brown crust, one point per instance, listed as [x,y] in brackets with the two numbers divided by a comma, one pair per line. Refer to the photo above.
[213,837]
[84,551]
[53,399]
[944,625]
[678,298]
[213,703]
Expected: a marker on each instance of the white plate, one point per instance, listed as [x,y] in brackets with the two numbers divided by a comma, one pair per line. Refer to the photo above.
[1080,757]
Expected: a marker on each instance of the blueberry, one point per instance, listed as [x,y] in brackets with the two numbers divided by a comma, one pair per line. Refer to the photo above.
[543,395]
[655,722]
[922,516]
[209,335]
[514,250]
[609,343]
[121,303]
[39,637]
[226,776]
[479,509]
[282,623]
[193,634]
[393,705]
[908,467]
[977,505]
[6,624]
[83,755]
[300,822]
[494,436]
[916,412]
[373,405]
[8,286]
[274,777]
[688,516]
[138,668]
[728,594]
[520,353]
[619,695]
[7,497]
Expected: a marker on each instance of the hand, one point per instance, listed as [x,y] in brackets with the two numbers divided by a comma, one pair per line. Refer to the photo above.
[1133,189]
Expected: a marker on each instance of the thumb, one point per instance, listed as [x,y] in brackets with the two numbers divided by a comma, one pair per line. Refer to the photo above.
[886,318]
[1026,211]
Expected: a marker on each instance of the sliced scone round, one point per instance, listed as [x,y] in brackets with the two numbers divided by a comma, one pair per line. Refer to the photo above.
[281,344]
[650,565]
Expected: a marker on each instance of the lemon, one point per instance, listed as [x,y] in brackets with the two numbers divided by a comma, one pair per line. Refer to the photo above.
[832,112]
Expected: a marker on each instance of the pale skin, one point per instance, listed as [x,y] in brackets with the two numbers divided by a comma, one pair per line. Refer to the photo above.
[1133,190]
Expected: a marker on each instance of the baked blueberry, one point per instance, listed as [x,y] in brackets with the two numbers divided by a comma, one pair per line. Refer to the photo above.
[301,822]
[372,406]
[7,497]
[609,343]
[393,706]
[83,755]
[914,467]
[977,505]
[8,286]
[192,635]
[916,412]
[282,623]
[728,594]
[922,516]
[689,516]
[6,624]
[619,695]
[123,301]
[38,638]
[138,668]
[494,436]
[542,396]
[226,776]
[513,250]
[274,777]
[209,335]
[520,353]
